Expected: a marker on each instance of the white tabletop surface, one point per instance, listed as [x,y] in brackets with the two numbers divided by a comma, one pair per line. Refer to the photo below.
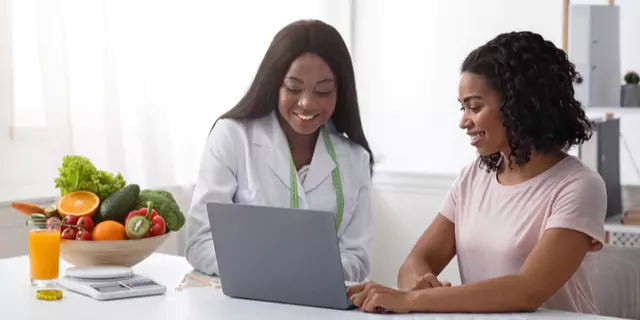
[17,301]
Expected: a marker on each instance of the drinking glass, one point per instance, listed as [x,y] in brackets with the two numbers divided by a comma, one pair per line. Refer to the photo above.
[44,250]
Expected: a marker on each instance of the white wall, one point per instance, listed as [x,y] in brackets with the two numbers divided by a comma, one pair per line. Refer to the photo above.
[408,54]
[404,204]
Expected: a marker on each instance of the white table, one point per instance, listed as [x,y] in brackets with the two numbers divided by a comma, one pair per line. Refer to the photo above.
[17,301]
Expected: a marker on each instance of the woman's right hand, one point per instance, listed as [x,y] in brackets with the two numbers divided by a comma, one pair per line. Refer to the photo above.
[429,280]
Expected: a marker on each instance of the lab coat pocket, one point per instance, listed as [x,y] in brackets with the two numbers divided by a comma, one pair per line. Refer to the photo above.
[246,196]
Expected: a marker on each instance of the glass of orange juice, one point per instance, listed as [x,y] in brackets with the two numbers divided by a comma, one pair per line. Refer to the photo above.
[44,250]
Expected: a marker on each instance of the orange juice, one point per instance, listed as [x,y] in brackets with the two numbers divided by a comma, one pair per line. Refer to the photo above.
[44,254]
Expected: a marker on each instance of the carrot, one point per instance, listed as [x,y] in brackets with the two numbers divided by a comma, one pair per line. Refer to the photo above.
[27,208]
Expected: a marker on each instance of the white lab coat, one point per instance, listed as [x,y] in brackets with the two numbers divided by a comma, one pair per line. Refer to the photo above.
[248,162]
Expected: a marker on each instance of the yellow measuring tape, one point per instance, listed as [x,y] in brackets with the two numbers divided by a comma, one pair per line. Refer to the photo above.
[49,294]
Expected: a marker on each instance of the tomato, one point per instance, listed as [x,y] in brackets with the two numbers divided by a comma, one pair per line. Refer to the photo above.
[85,223]
[69,233]
[83,235]
[70,220]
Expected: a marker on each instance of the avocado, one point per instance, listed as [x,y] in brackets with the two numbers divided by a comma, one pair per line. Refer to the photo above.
[116,206]
[137,227]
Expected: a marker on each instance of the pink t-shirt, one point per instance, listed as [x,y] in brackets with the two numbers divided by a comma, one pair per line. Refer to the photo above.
[498,226]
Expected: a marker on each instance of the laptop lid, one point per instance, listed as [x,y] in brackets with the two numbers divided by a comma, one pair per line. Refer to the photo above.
[278,254]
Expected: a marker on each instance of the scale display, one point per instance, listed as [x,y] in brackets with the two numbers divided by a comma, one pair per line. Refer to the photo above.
[108,283]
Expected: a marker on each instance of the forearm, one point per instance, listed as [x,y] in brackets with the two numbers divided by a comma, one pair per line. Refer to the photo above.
[411,270]
[504,294]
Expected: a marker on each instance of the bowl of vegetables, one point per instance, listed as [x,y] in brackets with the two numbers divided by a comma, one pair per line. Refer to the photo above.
[106,221]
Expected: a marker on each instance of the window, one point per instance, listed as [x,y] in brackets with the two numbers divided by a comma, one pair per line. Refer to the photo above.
[133,85]
[28,103]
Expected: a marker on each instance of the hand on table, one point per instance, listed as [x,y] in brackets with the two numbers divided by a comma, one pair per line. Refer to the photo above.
[429,280]
[374,297]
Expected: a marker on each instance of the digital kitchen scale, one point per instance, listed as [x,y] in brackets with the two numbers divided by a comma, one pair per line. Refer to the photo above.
[107,283]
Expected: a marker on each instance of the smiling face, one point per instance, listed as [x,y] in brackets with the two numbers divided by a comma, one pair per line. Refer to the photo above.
[307,97]
[481,115]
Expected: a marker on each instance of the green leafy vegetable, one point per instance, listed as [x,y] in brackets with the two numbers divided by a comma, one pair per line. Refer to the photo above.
[165,204]
[78,173]
[108,183]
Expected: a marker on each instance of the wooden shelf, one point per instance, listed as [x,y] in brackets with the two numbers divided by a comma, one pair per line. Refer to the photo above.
[614,223]
[614,110]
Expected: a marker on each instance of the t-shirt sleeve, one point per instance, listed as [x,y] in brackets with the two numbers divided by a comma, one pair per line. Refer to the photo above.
[582,206]
[449,205]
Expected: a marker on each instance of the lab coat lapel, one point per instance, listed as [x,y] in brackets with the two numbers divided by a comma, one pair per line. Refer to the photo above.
[278,154]
[321,164]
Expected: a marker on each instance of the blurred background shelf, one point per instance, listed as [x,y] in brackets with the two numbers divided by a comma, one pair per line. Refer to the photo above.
[614,110]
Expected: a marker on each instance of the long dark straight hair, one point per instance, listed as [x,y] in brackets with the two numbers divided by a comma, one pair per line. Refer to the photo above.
[295,39]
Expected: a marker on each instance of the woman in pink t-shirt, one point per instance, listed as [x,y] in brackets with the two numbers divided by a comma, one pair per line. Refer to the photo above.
[525,216]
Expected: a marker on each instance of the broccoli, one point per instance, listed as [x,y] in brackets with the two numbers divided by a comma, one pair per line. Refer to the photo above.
[165,204]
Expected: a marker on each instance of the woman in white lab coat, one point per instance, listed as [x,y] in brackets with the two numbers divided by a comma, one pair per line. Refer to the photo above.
[298,125]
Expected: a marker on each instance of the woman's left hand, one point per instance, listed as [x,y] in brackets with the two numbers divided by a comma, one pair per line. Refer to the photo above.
[374,297]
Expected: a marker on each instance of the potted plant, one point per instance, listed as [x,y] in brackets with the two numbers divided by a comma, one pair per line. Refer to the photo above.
[630,91]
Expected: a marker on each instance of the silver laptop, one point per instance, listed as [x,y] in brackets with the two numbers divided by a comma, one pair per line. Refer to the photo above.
[278,255]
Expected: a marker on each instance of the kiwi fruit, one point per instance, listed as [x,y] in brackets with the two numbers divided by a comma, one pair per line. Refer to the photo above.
[137,227]
[52,211]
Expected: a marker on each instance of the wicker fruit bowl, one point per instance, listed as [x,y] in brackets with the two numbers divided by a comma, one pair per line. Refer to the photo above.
[126,253]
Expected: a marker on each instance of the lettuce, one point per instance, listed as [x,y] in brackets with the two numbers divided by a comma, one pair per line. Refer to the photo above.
[78,173]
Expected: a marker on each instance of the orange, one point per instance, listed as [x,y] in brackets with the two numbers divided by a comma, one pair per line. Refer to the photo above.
[109,230]
[78,203]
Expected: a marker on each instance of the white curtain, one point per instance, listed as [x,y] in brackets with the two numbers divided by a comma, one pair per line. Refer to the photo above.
[135,85]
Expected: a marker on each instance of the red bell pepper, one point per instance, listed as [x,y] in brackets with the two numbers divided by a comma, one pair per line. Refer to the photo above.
[158,225]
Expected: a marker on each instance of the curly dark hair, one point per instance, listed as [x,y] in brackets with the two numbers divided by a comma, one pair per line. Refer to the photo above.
[534,79]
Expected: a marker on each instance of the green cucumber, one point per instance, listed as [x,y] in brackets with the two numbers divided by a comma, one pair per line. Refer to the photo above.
[116,207]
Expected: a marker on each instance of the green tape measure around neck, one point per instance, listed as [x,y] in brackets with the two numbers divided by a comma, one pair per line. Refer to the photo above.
[335,174]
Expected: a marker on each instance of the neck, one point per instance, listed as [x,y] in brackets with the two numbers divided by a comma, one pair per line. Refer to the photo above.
[537,164]
[298,142]
[302,146]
